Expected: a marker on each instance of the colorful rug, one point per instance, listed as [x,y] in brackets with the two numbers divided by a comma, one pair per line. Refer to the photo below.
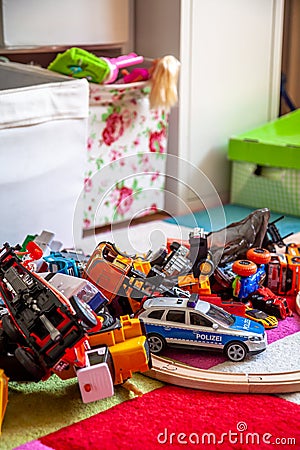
[173,417]
[50,415]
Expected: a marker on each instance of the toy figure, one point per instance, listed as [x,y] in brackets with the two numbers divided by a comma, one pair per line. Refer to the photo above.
[251,272]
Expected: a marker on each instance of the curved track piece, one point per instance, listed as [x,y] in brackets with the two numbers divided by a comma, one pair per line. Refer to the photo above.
[183,375]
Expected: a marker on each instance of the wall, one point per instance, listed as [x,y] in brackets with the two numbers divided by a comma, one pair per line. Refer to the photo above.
[230,53]
[291,52]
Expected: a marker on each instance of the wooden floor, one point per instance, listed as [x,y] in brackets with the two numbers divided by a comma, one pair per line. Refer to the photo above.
[160,215]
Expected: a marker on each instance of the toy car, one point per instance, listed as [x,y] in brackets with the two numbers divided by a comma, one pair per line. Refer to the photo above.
[267,321]
[58,263]
[283,272]
[265,300]
[195,323]
[125,337]
[81,288]
[251,272]
[293,274]
[198,257]
[122,279]
[224,275]
[43,324]
[277,273]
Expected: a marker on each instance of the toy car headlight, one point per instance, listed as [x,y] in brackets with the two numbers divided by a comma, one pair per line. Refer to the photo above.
[255,338]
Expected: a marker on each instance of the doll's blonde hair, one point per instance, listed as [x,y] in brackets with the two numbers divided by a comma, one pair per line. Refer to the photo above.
[164,78]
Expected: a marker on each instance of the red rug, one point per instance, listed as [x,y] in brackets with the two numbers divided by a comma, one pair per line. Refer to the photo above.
[173,417]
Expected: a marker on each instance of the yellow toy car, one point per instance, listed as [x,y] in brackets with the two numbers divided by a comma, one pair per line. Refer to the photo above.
[261,317]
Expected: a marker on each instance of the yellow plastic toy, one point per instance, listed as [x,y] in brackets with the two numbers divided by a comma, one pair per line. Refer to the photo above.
[3,395]
[128,346]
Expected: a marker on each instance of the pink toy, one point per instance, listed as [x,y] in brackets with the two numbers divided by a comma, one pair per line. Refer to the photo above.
[138,74]
[115,64]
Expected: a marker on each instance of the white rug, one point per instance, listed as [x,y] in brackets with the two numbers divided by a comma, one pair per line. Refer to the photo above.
[280,356]
[137,239]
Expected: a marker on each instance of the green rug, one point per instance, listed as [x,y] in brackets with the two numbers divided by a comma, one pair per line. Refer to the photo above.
[37,409]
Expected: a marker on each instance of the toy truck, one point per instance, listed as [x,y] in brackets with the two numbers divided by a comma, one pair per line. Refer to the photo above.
[128,345]
[43,324]
[116,351]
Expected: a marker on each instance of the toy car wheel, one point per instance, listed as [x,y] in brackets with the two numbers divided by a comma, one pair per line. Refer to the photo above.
[30,363]
[10,329]
[156,342]
[83,311]
[207,268]
[108,320]
[244,267]
[235,351]
[259,255]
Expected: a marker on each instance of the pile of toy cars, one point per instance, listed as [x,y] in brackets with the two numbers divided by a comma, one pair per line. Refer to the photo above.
[97,317]
[48,326]
[237,283]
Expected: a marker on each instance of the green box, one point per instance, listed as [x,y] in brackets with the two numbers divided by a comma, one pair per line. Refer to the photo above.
[266,166]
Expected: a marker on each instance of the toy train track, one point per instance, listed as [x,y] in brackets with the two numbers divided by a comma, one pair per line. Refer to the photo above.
[179,374]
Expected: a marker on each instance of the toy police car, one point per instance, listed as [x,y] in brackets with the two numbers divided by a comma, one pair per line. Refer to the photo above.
[196,323]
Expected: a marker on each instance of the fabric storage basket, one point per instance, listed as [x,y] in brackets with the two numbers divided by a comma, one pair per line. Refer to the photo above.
[43,131]
[126,154]
[266,166]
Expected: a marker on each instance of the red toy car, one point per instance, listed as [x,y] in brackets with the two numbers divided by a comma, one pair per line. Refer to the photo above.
[265,300]
[237,308]
[45,328]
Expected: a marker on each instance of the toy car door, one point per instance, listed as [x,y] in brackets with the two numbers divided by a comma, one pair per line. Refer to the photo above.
[202,331]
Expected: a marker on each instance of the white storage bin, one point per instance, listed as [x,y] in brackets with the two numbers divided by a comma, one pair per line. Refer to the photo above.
[43,132]
[67,22]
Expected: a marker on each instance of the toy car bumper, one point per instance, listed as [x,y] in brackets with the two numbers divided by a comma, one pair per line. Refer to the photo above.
[257,346]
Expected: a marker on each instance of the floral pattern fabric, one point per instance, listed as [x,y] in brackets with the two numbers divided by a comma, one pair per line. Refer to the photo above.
[126,155]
